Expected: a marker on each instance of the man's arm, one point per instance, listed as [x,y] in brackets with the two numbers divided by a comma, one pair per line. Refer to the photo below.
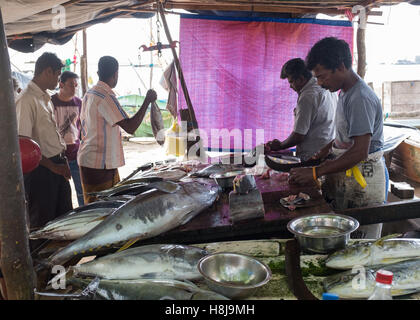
[130,125]
[357,153]
[292,140]
[58,168]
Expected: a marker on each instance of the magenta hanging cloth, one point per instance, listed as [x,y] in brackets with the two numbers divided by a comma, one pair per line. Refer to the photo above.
[232,70]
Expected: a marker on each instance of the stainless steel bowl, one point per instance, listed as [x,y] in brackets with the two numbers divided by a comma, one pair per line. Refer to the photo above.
[236,276]
[322,233]
[225,180]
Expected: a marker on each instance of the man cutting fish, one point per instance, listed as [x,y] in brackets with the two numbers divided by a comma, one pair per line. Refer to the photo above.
[101,151]
[314,112]
[357,176]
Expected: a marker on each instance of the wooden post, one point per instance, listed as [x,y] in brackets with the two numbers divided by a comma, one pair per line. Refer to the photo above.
[83,65]
[15,261]
[361,50]
[193,121]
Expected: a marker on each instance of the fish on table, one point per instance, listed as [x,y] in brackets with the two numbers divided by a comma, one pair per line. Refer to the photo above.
[136,188]
[216,168]
[353,285]
[155,261]
[147,289]
[147,215]
[383,251]
[77,222]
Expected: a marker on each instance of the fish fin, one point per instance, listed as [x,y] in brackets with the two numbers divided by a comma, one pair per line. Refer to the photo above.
[99,219]
[380,241]
[128,244]
[391,260]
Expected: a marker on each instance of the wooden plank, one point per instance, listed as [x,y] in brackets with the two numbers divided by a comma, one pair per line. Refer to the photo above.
[402,210]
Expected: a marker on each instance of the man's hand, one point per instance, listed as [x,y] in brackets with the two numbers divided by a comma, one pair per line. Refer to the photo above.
[151,96]
[301,176]
[273,145]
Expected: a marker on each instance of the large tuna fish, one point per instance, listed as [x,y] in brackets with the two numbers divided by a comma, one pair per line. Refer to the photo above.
[147,289]
[371,253]
[77,222]
[164,261]
[147,215]
[348,285]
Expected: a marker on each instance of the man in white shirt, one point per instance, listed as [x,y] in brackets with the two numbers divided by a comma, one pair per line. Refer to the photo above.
[47,187]
[314,112]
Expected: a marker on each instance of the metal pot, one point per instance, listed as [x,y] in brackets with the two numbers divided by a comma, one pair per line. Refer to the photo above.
[234,275]
[322,233]
[225,180]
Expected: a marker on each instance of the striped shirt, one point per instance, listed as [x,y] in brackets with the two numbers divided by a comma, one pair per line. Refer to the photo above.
[101,142]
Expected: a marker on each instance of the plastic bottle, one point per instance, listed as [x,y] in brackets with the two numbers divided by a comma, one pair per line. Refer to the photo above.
[329,296]
[383,286]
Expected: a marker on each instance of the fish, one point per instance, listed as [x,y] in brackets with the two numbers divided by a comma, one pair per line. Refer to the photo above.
[406,280]
[147,289]
[136,188]
[77,222]
[385,250]
[157,124]
[215,168]
[147,215]
[164,261]
[172,174]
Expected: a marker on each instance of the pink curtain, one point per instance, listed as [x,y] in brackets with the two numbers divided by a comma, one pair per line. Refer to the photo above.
[232,71]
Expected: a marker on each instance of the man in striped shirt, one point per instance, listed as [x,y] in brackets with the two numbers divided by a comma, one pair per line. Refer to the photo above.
[101,151]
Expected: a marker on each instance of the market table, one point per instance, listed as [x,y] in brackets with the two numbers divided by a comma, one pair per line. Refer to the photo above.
[214,224]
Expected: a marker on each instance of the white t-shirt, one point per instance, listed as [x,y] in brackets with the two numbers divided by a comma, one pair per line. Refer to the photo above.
[314,118]
[36,120]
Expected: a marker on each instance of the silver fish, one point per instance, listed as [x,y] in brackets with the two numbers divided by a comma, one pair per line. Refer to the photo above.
[146,216]
[156,122]
[148,289]
[215,168]
[77,222]
[406,280]
[371,253]
[164,261]
[136,188]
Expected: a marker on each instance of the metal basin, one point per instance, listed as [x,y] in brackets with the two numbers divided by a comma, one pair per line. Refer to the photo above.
[322,233]
[236,276]
[225,180]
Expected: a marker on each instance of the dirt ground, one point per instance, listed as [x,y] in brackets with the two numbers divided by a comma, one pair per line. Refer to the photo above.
[136,153]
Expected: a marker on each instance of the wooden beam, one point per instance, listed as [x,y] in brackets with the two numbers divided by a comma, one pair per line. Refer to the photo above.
[390,212]
[193,119]
[361,51]
[15,259]
[84,65]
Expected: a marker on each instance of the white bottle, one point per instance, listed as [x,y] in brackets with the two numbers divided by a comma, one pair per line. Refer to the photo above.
[383,286]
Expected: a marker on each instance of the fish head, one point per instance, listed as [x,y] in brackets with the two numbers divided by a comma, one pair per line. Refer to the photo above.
[349,257]
[189,254]
[351,284]
[202,191]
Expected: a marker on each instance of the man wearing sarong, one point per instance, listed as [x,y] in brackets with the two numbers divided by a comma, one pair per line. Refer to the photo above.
[101,150]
